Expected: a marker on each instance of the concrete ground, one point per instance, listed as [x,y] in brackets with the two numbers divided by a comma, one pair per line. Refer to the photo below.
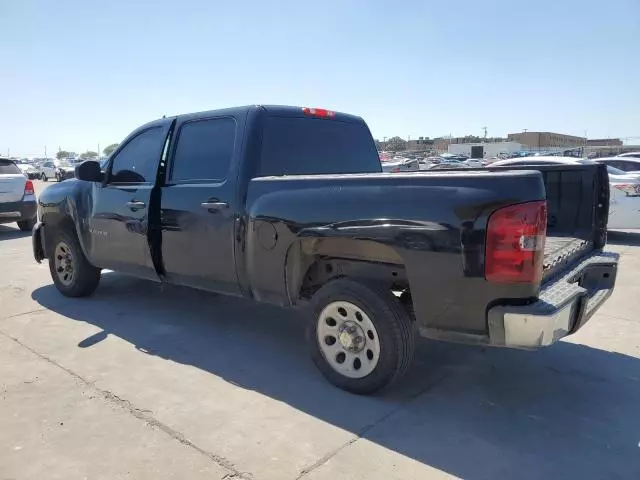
[144,381]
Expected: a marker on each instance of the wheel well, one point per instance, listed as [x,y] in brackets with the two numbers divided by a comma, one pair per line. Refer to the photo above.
[63,223]
[312,263]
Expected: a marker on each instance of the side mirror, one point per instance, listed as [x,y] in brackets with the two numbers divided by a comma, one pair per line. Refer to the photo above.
[89,171]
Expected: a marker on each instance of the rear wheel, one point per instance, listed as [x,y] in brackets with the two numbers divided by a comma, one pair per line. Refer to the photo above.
[26,225]
[71,272]
[361,337]
[44,177]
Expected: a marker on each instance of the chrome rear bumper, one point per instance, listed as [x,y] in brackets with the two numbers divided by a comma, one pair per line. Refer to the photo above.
[566,302]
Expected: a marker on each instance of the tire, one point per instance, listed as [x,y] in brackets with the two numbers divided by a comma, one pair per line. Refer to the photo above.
[26,225]
[83,278]
[372,305]
[44,177]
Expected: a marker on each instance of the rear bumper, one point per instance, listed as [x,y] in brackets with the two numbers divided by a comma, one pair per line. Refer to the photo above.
[566,302]
[15,211]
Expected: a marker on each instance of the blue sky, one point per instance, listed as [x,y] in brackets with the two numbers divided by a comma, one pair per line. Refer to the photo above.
[75,74]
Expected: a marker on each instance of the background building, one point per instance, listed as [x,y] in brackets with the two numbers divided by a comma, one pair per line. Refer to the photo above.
[484,149]
[543,140]
[604,142]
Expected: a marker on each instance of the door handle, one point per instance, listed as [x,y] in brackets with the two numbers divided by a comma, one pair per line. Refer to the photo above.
[214,205]
[135,205]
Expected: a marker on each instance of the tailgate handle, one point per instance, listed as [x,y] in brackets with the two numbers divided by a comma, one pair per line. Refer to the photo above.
[214,205]
[135,205]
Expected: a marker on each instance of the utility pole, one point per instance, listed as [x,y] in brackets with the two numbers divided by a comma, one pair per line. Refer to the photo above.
[485,132]
[98,150]
[45,151]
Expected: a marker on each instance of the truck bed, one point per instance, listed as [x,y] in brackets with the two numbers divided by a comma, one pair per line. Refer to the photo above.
[577,211]
[560,250]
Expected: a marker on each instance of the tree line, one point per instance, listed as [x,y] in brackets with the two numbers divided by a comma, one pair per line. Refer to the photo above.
[108,150]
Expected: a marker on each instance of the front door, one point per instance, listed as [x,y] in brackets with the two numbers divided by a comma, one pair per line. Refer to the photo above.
[119,223]
[199,208]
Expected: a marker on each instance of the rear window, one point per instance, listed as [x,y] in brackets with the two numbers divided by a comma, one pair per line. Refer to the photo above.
[309,146]
[7,167]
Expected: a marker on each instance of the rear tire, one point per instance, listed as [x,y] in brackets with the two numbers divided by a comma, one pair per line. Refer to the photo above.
[370,342]
[71,272]
[44,177]
[26,225]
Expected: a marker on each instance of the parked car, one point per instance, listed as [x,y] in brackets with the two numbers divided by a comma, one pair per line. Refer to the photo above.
[58,169]
[17,196]
[630,165]
[630,155]
[48,170]
[624,199]
[401,165]
[28,170]
[65,170]
[289,206]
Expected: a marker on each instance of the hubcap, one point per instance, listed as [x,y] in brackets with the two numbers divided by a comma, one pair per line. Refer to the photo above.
[64,263]
[348,339]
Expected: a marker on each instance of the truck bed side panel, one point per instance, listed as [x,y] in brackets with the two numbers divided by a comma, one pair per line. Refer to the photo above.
[435,222]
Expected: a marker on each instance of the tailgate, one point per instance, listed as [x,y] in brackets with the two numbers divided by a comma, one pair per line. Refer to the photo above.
[578,209]
[12,187]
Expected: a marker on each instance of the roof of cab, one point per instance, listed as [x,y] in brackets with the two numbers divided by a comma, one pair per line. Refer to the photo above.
[272,110]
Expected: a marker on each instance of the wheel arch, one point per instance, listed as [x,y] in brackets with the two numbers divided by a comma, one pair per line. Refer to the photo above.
[312,262]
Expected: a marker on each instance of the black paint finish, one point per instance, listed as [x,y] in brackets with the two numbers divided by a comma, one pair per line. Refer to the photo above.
[257,236]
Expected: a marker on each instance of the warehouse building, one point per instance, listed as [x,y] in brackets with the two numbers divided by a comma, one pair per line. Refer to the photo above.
[546,140]
[484,149]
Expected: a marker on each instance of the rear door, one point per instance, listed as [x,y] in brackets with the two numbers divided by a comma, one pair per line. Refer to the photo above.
[199,208]
[12,182]
[119,222]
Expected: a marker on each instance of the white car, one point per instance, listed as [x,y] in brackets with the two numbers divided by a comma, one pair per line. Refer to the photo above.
[624,197]
[627,164]
[48,170]
[630,155]
[28,170]
[17,196]
[400,164]
[58,169]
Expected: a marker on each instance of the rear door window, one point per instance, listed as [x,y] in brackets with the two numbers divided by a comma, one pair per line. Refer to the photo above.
[309,146]
[8,168]
[204,150]
[137,161]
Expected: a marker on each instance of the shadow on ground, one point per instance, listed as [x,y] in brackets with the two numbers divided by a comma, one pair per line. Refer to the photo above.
[10,232]
[569,411]
[623,238]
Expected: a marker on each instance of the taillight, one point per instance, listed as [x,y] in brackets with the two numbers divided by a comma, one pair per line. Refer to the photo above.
[515,243]
[318,112]
[28,188]
[395,170]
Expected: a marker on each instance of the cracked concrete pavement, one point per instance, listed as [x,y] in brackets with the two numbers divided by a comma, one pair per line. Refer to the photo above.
[144,381]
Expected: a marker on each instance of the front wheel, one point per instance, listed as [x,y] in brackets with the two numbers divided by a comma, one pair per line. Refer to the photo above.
[71,272]
[361,337]
[44,177]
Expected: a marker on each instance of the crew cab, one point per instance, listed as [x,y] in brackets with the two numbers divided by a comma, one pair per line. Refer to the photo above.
[290,206]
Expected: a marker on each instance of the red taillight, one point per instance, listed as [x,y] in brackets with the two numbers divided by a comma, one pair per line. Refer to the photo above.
[395,169]
[515,243]
[318,112]
[28,188]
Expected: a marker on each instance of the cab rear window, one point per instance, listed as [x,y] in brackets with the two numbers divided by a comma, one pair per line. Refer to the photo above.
[310,146]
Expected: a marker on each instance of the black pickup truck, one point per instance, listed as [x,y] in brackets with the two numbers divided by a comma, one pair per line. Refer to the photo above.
[290,206]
